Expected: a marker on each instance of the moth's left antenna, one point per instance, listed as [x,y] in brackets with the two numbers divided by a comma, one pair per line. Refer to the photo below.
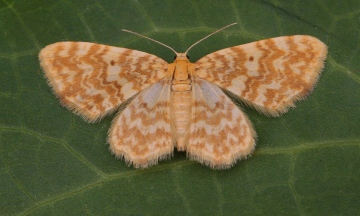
[150,39]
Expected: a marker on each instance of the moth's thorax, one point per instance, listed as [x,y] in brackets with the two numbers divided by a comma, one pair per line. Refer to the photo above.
[182,70]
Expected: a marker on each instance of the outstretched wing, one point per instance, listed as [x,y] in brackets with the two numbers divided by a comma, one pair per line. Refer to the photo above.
[93,79]
[268,74]
[142,132]
[220,133]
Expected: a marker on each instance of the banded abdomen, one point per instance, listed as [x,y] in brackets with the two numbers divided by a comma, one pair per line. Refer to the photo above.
[180,109]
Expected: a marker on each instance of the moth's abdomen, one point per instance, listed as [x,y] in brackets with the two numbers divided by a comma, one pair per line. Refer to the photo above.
[180,112]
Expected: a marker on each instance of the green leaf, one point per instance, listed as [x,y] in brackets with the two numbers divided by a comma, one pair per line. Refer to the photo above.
[53,163]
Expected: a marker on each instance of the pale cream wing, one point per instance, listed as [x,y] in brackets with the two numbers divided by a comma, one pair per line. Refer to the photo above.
[269,74]
[142,133]
[93,79]
[220,133]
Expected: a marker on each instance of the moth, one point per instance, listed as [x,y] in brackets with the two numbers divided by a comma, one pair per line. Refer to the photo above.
[182,104]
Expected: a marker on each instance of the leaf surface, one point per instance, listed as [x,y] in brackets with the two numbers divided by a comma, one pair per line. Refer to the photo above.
[53,163]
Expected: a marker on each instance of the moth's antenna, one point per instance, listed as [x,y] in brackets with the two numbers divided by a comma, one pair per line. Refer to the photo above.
[150,39]
[209,36]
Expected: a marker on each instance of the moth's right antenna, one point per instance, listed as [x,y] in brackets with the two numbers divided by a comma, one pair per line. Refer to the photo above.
[209,36]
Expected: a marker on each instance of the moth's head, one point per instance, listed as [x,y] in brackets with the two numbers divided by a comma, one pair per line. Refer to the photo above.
[181,57]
